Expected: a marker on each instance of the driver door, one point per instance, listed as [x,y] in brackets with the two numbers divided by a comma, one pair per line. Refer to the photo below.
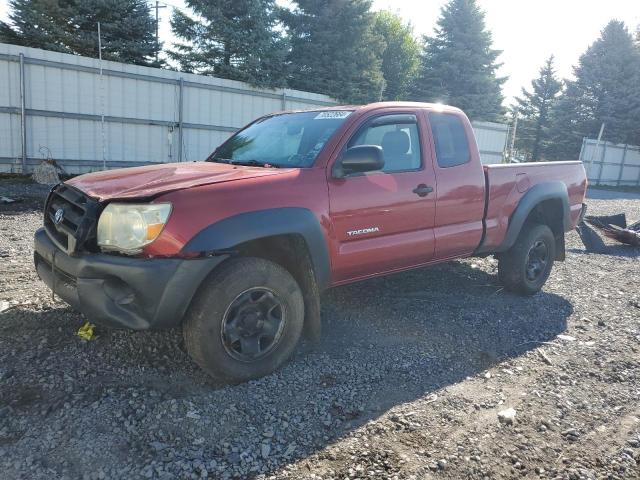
[384,220]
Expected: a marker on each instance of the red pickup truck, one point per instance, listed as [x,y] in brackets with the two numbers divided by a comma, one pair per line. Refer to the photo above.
[237,248]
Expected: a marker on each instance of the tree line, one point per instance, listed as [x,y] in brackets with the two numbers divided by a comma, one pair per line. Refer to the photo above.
[345,50]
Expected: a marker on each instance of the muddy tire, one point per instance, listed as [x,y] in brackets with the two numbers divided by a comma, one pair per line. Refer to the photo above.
[245,320]
[526,266]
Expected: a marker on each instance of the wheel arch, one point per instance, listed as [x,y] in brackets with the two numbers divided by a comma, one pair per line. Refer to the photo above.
[546,203]
[290,237]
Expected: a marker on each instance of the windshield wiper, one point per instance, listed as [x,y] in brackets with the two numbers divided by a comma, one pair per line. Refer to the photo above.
[253,163]
[219,160]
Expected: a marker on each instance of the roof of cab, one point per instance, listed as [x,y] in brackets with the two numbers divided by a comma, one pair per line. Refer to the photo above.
[437,107]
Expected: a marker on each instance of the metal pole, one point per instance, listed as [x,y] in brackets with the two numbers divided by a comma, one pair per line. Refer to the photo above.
[593,153]
[624,155]
[104,146]
[158,7]
[505,153]
[180,105]
[23,117]
[513,138]
[284,99]
[602,159]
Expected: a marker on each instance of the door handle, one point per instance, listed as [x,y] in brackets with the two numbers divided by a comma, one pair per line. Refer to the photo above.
[422,190]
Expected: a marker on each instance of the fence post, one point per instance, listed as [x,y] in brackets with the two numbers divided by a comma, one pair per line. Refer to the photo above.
[603,156]
[638,180]
[581,156]
[284,99]
[180,100]
[23,117]
[624,155]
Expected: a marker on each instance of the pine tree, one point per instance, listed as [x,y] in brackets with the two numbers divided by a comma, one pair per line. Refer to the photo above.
[233,39]
[458,64]
[334,49]
[534,109]
[401,55]
[606,90]
[70,26]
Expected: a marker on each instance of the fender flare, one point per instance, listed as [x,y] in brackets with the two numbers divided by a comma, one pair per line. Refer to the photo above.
[225,234]
[552,190]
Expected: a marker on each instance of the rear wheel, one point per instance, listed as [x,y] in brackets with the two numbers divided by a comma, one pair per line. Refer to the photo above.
[526,266]
[245,321]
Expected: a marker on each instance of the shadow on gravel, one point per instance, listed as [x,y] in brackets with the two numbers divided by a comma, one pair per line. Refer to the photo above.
[447,323]
[22,205]
[385,342]
[614,250]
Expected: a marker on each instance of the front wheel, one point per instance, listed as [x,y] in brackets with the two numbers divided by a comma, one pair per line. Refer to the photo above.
[526,266]
[245,321]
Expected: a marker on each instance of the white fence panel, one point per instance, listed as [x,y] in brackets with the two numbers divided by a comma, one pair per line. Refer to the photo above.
[150,115]
[608,163]
[492,141]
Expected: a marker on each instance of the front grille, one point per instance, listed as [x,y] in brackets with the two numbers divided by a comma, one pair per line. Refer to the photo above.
[75,227]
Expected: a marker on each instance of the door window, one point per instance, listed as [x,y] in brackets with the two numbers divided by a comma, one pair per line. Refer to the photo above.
[398,137]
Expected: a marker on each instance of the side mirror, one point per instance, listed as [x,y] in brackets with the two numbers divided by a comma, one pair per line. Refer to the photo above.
[359,159]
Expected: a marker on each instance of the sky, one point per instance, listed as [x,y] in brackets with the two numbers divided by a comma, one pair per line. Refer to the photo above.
[527,31]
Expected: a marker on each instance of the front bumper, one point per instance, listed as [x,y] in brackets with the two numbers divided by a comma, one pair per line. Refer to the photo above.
[122,292]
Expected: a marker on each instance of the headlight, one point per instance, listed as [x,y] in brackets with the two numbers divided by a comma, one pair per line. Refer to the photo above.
[128,227]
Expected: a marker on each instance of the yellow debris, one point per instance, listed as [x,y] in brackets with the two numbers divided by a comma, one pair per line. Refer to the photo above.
[86,331]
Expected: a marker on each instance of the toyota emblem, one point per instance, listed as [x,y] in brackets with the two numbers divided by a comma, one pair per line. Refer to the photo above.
[59,215]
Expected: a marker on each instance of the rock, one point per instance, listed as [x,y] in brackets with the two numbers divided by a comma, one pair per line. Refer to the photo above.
[158,446]
[544,357]
[442,464]
[265,450]
[567,338]
[290,449]
[507,417]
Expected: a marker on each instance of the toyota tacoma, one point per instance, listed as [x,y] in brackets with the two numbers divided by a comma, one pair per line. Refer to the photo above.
[236,249]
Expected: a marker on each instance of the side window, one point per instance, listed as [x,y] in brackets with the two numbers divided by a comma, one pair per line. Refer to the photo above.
[398,136]
[452,146]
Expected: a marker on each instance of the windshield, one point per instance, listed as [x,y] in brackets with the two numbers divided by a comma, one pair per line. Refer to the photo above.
[287,140]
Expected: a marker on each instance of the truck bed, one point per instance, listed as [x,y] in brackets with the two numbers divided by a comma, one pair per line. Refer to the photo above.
[506,184]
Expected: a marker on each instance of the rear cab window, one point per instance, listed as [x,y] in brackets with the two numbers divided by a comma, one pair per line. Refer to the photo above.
[450,139]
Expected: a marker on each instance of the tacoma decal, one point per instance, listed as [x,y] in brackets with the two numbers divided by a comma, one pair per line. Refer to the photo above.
[362,231]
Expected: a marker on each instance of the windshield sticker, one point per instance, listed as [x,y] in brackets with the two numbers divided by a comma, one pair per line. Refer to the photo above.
[332,115]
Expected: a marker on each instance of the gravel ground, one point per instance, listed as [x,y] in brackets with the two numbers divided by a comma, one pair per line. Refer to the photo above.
[408,381]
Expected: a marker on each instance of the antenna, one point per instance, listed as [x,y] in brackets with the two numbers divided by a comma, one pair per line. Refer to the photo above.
[158,7]
[104,153]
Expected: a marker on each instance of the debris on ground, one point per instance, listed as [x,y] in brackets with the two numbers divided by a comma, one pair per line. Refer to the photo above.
[612,226]
[6,200]
[46,173]
[508,416]
[86,331]
[544,357]
[566,338]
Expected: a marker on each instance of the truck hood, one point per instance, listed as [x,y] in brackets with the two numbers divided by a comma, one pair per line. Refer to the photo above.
[152,180]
